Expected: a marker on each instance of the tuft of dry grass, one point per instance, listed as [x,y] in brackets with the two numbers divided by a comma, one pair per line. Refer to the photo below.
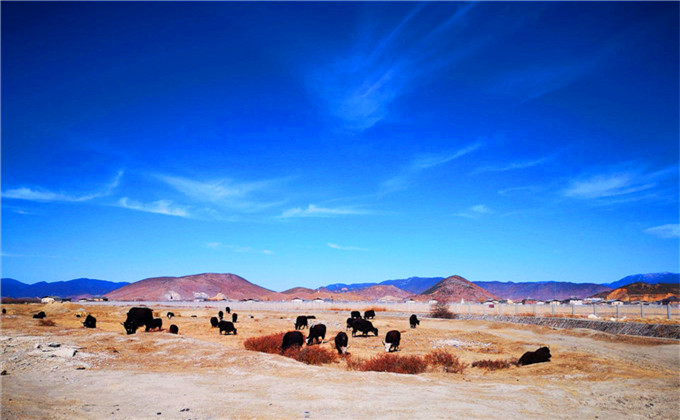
[315,355]
[494,364]
[46,323]
[449,362]
[389,363]
[265,344]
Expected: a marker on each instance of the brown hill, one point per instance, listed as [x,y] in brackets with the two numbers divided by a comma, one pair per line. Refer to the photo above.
[381,291]
[455,289]
[297,290]
[198,286]
[642,291]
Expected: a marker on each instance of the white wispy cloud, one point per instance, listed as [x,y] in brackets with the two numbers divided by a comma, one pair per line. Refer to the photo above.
[41,194]
[360,86]
[668,231]
[346,248]
[515,165]
[243,196]
[617,183]
[315,211]
[238,249]
[475,211]
[418,165]
[166,207]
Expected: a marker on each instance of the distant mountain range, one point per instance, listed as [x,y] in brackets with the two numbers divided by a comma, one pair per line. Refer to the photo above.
[651,278]
[82,287]
[642,291]
[542,290]
[415,285]
[457,289]
[231,286]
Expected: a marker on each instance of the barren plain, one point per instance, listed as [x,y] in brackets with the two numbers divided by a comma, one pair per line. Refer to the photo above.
[68,372]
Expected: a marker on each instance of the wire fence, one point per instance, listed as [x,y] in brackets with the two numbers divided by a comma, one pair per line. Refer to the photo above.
[628,312]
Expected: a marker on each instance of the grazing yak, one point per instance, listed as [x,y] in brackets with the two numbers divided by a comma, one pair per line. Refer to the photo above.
[413,320]
[355,314]
[227,327]
[228,309]
[39,315]
[364,326]
[341,342]
[4,311]
[350,321]
[392,340]
[174,329]
[292,338]
[157,323]
[170,315]
[90,322]
[539,356]
[220,314]
[301,322]
[214,322]
[370,314]
[234,317]
[316,332]
[136,317]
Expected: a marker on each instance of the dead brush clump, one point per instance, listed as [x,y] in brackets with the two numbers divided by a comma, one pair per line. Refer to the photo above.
[449,362]
[375,309]
[494,364]
[46,323]
[311,355]
[389,363]
[265,344]
[441,310]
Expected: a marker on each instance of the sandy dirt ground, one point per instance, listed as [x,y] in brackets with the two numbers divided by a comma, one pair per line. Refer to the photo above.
[68,372]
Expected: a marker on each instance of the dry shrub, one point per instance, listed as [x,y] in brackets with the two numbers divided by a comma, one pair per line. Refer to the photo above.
[46,323]
[316,355]
[334,308]
[441,310]
[378,309]
[265,344]
[389,363]
[450,362]
[494,364]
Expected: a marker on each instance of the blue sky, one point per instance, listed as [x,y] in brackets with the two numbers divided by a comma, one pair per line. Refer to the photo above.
[302,144]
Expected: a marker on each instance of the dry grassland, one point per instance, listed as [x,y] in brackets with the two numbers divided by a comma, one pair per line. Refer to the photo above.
[200,374]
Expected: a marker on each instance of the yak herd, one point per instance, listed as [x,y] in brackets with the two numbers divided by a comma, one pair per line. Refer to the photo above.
[143,317]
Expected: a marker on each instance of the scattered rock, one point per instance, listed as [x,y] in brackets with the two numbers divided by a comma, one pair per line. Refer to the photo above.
[53,345]
[3,373]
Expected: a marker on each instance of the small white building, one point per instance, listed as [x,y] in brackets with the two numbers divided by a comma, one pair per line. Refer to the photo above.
[296,300]
[47,299]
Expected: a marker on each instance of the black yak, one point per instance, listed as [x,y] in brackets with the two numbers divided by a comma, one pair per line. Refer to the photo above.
[355,314]
[220,314]
[370,314]
[39,315]
[170,315]
[136,317]
[341,342]
[301,322]
[392,340]
[292,338]
[234,317]
[214,322]
[316,332]
[228,309]
[539,356]
[227,327]
[174,329]
[413,320]
[157,323]
[90,322]
[364,326]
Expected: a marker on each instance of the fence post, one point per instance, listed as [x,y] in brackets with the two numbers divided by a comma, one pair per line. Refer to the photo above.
[534,308]
[617,311]
[642,310]
[483,309]
[594,310]
[668,311]
[552,309]
[516,309]
[469,309]
[500,312]
[572,310]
